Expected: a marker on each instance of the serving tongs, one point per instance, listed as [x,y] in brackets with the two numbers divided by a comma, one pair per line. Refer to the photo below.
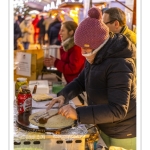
[43,118]
[36,118]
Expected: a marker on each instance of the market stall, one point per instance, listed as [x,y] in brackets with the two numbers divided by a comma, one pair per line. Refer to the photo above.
[56,136]
[73,10]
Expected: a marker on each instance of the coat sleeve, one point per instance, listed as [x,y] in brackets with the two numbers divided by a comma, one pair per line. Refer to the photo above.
[74,88]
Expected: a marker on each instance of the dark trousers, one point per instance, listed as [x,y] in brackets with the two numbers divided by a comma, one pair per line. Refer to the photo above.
[26,45]
[41,39]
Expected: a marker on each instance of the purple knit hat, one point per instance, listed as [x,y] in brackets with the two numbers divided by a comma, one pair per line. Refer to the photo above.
[91,32]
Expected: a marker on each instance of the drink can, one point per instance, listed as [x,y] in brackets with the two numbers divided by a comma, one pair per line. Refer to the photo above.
[24,100]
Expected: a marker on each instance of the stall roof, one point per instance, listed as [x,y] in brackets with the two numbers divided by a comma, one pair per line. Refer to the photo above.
[70,4]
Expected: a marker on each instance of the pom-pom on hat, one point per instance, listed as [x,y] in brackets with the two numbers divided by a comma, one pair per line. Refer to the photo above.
[91,32]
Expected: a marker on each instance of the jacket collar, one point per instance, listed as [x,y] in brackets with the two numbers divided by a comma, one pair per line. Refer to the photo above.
[118,46]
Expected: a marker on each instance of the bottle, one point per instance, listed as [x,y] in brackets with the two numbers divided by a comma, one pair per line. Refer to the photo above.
[19,83]
[24,100]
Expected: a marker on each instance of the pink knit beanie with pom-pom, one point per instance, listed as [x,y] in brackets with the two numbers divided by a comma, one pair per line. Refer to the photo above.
[91,32]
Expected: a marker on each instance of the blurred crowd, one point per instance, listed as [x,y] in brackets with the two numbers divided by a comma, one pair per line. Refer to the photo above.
[37,30]
[41,29]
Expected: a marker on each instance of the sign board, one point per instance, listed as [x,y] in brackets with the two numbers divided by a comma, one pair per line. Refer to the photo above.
[24,64]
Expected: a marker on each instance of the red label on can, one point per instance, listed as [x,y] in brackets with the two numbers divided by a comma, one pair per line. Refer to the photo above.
[24,102]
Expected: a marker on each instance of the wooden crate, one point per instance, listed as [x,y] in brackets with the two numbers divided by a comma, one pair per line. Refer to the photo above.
[36,63]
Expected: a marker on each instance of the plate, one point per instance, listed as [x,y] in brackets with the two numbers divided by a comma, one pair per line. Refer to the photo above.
[41,97]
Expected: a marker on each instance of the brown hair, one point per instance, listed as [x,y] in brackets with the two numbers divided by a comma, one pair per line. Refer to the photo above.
[116,14]
[70,25]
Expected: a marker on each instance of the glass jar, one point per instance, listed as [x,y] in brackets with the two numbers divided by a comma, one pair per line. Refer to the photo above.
[19,83]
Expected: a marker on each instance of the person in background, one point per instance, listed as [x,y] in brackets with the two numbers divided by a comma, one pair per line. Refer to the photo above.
[17,31]
[27,30]
[36,29]
[47,23]
[20,18]
[71,62]
[53,31]
[109,81]
[115,19]
[42,31]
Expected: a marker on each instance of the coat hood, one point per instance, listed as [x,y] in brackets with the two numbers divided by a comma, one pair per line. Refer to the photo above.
[118,46]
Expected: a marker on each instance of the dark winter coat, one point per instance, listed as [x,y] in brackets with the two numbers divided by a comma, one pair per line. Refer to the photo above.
[41,26]
[53,33]
[17,34]
[111,90]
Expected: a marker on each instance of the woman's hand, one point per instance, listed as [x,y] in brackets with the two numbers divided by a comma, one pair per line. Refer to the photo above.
[59,100]
[49,62]
[68,111]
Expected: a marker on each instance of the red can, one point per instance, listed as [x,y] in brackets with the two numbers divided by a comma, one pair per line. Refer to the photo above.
[24,102]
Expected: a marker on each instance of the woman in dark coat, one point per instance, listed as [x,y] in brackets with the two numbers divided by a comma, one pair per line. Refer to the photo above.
[109,81]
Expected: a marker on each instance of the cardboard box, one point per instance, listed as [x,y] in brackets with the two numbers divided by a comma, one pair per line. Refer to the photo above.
[36,63]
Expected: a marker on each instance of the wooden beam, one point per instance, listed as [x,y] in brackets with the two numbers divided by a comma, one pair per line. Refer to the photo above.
[134,14]
[124,5]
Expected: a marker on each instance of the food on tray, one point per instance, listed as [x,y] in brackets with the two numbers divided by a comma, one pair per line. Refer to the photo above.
[56,122]
[41,97]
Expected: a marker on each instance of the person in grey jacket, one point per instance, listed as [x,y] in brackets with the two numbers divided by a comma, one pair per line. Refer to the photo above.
[109,81]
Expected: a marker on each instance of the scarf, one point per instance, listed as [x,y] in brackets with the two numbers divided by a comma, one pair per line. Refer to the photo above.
[90,56]
[67,44]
